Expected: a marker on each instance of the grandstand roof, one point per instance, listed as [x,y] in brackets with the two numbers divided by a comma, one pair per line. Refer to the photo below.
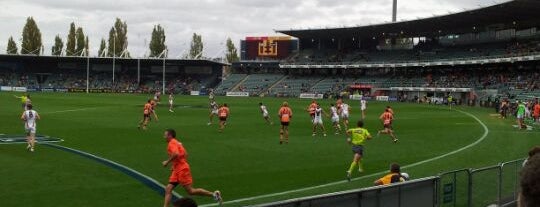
[519,14]
[104,60]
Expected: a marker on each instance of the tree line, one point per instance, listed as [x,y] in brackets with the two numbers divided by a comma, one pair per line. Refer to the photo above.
[77,43]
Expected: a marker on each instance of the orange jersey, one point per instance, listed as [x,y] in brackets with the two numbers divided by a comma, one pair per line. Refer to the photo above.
[312,108]
[285,114]
[536,110]
[180,162]
[153,103]
[147,108]
[387,117]
[223,112]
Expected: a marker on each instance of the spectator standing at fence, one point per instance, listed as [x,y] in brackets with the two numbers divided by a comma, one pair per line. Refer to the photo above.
[393,177]
[530,183]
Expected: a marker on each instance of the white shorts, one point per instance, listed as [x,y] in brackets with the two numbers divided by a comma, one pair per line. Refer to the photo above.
[363,108]
[215,112]
[317,120]
[520,116]
[265,114]
[335,119]
[30,130]
[170,102]
[345,115]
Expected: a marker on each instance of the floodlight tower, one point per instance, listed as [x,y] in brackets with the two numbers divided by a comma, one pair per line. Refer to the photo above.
[394,11]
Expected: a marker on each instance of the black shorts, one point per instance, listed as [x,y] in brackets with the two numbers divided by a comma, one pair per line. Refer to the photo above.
[284,123]
[358,149]
[388,126]
[146,116]
[223,118]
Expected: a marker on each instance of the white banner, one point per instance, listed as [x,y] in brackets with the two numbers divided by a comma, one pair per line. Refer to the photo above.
[381,98]
[238,94]
[311,96]
[195,93]
[356,97]
[430,89]
[6,88]
[19,89]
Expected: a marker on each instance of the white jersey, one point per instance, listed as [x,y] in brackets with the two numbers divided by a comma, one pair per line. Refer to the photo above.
[317,119]
[334,111]
[214,107]
[264,111]
[345,110]
[363,104]
[30,117]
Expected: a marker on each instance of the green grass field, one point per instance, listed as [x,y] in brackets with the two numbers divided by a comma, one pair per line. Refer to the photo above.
[245,161]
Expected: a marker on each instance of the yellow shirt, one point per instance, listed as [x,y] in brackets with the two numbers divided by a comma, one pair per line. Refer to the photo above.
[358,135]
[387,179]
[24,99]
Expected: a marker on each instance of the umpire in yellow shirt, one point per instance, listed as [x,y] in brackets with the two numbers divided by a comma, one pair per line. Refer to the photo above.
[356,137]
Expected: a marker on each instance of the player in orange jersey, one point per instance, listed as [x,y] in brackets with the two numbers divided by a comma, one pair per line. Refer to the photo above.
[285,116]
[311,109]
[147,110]
[181,173]
[223,113]
[387,117]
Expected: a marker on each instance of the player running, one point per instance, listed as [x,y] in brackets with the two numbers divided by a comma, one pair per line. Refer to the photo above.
[356,137]
[213,111]
[335,119]
[387,117]
[147,111]
[171,102]
[536,111]
[157,96]
[285,116]
[318,122]
[223,113]
[345,111]
[265,114]
[181,173]
[311,109]
[30,117]
[153,103]
[521,108]
[25,100]
[363,108]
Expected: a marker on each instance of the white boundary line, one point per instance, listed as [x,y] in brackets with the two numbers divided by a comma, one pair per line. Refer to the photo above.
[71,110]
[95,157]
[484,135]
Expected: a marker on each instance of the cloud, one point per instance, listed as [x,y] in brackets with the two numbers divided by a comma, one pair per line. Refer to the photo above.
[215,20]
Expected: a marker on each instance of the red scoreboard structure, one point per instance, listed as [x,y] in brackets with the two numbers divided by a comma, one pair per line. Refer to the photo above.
[267,48]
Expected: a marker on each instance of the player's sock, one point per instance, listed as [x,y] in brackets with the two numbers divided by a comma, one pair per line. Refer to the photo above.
[353,165]
[360,167]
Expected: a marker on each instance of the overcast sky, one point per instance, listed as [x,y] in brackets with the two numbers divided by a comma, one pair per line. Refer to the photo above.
[214,19]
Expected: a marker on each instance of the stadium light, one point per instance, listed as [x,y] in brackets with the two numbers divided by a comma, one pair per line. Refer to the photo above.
[114,55]
[163,55]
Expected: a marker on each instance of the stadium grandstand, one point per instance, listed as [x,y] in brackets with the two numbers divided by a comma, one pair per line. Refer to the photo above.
[92,74]
[492,52]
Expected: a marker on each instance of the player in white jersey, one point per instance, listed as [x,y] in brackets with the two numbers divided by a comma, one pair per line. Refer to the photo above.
[213,111]
[264,112]
[171,102]
[157,97]
[345,111]
[211,94]
[317,120]
[363,107]
[335,119]
[30,117]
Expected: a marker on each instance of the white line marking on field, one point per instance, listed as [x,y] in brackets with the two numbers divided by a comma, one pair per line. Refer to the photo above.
[71,110]
[484,135]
